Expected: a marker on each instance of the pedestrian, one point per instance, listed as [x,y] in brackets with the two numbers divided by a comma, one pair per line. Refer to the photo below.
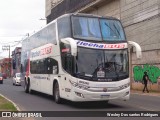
[145,82]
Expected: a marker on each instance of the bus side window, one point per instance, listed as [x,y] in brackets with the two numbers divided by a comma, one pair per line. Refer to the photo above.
[49,66]
[52,66]
[67,63]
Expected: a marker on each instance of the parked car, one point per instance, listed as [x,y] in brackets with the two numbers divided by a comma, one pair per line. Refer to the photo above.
[17,79]
[4,75]
[1,78]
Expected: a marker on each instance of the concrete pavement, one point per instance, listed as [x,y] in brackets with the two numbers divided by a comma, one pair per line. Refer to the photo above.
[145,93]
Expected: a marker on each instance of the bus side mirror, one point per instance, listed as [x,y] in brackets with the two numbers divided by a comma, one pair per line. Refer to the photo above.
[73,44]
[138,49]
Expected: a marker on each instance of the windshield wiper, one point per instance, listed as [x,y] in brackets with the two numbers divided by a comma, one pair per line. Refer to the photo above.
[80,74]
[117,30]
[112,29]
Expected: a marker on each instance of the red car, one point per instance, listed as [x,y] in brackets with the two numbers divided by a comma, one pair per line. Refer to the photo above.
[1,78]
[4,75]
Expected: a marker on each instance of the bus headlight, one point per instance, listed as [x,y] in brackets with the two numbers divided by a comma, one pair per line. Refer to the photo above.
[125,86]
[74,83]
[79,94]
[80,86]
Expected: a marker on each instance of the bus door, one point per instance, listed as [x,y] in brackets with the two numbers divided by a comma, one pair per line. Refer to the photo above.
[68,66]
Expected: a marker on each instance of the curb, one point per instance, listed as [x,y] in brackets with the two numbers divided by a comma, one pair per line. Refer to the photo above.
[11,102]
[146,94]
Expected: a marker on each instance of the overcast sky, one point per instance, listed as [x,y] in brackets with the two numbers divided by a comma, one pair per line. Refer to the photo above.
[17,18]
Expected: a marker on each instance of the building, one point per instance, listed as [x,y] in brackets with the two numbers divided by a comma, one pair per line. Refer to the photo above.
[16,60]
[5,66]
[141,20]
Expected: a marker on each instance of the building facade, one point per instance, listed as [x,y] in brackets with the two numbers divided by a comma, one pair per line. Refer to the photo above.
[5,66]
[16,60]
[141,20]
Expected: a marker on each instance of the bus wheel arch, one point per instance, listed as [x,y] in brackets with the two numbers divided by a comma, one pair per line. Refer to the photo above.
[56,92]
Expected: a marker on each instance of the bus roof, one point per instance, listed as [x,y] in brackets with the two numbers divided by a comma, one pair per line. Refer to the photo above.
[74,14]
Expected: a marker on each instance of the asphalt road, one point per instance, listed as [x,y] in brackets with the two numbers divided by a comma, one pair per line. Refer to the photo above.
[41,102]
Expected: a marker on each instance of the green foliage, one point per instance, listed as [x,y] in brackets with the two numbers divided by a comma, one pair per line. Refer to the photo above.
[6,105]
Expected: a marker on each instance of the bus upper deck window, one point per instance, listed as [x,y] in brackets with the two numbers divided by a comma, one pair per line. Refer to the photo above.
[86,28]
[64,27]
[112,30]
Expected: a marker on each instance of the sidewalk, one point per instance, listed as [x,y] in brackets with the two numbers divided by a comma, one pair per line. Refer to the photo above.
[145,93]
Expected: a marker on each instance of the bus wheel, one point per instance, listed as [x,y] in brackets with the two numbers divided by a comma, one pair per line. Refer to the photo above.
[26,86]
[29,87]
[56,93]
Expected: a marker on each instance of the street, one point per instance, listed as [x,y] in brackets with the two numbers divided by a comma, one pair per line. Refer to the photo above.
[41,102]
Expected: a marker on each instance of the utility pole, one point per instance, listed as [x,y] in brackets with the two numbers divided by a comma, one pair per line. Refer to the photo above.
[7,47]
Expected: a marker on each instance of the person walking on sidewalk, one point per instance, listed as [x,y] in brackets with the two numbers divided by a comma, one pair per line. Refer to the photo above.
[145,82]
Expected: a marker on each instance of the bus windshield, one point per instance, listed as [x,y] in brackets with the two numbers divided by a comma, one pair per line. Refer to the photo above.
[98,29]
[102,64]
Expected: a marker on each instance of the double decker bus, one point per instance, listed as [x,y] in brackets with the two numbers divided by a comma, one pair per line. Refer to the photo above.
[78,57]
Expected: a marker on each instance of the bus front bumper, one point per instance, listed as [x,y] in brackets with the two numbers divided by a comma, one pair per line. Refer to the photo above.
[84,95]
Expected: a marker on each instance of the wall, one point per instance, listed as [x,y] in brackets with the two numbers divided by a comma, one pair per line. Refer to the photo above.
[49,4]
[47,7]
[141,19]
[16,60]
[5,66]
[150,62]
[153,71]
[108,8]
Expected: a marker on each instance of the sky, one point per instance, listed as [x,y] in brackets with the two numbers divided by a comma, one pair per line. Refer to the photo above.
[17,19]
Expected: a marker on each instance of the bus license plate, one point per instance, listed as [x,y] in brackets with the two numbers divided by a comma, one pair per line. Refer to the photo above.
[105,96]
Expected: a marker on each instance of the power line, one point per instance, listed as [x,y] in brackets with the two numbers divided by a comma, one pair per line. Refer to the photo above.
[11,36]
[11,42]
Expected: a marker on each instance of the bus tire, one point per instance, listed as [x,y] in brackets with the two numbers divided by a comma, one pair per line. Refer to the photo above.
[56,93]
[26,86]
[30,91]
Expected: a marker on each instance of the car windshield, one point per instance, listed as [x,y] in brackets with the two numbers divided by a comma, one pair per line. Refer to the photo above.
[102,64]
[98,29]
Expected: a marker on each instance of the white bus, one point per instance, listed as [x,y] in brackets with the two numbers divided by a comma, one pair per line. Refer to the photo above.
[78,57]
